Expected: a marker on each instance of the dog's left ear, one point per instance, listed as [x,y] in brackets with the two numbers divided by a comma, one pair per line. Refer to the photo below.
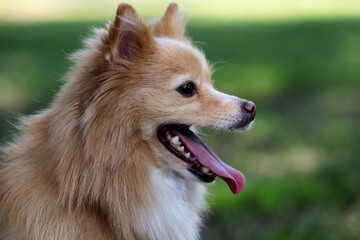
[128,36]
[172,24]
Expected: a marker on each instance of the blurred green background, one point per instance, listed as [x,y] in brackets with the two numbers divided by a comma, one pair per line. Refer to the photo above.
[299,61]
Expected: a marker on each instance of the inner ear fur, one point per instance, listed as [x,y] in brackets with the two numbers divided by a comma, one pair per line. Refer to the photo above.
[128,35]
[172,24]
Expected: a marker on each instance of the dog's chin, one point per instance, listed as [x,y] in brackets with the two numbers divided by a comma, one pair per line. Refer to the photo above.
[242,125]
[179,169]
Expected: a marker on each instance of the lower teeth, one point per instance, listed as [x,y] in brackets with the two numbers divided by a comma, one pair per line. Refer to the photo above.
[205,170]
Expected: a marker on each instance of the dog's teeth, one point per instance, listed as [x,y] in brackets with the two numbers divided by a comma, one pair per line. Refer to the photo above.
[175,140]
[181,149]
[205,170]
[187,155]
[168,136]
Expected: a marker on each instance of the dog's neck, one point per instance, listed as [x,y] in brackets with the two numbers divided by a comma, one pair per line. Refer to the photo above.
[175,213]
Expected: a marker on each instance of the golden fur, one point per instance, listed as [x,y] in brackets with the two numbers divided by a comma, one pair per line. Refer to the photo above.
[82,168]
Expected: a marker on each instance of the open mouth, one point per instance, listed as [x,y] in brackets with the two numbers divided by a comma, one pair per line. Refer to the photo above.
[199,158]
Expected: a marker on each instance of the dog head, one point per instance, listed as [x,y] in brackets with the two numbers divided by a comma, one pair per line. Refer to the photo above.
[152,76]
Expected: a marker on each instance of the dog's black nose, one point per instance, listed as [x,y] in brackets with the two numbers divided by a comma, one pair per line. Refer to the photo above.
[249,107]
[246,114]
[248,110]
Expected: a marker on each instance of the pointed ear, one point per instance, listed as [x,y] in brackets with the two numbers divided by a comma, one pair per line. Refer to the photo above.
[172,24]
[128,35]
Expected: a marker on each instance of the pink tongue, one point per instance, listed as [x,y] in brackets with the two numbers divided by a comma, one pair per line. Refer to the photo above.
[234,179]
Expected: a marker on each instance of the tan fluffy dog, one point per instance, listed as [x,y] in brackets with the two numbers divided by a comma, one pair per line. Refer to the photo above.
[114,156]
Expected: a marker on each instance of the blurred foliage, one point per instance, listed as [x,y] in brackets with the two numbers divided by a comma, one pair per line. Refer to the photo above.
[301,159]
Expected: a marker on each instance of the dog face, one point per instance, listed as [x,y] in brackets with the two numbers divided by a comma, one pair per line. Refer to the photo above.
[169,88]
[182,91]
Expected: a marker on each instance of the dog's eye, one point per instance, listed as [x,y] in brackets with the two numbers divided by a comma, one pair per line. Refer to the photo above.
[188,89]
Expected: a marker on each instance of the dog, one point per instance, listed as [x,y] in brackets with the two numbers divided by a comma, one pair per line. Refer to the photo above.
[115,155]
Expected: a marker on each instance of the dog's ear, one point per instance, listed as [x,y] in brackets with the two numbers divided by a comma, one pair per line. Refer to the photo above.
[128,35]
[172,24]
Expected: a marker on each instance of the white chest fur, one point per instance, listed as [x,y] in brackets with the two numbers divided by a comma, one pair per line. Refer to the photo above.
[176,212]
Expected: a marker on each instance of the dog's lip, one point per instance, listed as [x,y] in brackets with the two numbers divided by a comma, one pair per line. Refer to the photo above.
[203,154]
[193,165]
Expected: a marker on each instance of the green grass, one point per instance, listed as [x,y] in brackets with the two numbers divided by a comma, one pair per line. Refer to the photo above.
[301,159]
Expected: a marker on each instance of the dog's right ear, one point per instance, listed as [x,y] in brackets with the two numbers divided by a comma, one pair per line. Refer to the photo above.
[172,24]
[128,35]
